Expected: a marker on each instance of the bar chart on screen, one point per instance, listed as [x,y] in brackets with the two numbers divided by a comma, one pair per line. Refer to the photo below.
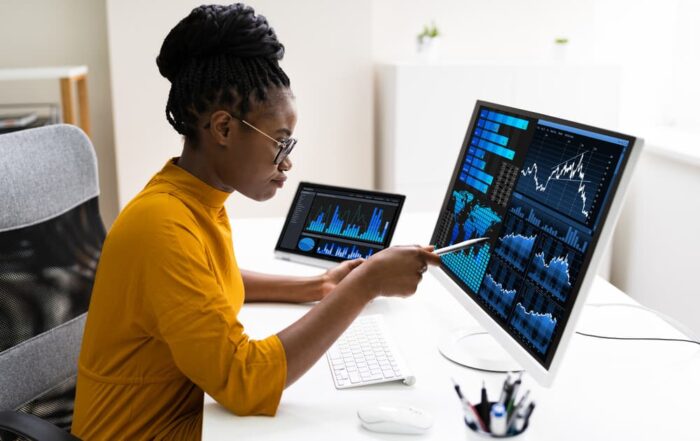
[342,250]
[366,222]
[494,137]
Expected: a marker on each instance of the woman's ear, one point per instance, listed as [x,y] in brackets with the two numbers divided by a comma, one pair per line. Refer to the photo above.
[220,126]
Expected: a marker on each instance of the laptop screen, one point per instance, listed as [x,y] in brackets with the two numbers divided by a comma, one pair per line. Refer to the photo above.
[336,223]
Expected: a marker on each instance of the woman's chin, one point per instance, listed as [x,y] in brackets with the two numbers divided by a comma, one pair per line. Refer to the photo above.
[269,195]
[262,193]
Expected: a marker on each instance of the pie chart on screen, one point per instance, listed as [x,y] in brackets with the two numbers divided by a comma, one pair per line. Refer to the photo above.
[306,244]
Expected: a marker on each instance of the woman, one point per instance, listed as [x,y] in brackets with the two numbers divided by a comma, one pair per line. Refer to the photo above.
[162,326]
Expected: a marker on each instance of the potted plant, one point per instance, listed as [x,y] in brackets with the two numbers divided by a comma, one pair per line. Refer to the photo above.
[429,42]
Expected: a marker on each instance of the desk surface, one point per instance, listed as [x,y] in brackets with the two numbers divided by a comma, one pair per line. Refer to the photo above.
[604,389]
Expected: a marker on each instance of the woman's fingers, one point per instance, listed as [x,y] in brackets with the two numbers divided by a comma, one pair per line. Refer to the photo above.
[355,263]
[430,257]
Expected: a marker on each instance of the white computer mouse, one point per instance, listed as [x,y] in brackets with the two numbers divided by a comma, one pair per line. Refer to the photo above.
[388,418]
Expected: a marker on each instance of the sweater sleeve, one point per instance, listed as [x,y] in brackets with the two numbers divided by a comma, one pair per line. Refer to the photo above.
[193,316]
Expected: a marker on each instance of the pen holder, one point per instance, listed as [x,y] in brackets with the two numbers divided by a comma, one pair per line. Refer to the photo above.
[478,434]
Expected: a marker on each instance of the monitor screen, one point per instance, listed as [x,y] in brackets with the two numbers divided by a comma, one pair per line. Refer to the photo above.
[540,189]
[336,223]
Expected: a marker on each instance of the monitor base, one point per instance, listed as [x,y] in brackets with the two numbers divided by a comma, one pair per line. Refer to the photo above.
[476,349]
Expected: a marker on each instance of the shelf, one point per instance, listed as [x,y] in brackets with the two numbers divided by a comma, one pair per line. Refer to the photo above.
[69,77]
[42,73]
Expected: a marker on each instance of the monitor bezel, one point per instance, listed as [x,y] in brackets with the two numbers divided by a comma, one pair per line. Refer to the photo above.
[608,219]
[326,262]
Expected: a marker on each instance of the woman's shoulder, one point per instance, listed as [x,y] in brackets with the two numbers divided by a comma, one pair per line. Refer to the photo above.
[155,213]
[154,228]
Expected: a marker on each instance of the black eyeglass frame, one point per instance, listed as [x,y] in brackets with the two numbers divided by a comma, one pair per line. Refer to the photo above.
[285,147]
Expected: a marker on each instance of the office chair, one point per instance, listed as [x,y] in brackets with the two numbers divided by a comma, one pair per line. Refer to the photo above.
[51,235]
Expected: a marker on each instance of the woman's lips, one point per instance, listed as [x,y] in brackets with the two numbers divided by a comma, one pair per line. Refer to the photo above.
[280,181]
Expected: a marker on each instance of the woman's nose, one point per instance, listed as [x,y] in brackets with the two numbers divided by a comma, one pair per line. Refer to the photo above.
[285,165]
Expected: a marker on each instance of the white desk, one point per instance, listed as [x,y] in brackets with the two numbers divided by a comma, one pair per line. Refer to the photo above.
[626,390]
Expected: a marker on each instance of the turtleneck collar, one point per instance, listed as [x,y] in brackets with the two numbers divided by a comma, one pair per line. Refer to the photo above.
[192,185]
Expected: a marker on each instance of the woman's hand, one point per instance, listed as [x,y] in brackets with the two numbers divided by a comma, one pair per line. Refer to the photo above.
[397,270]
[394,271]
[334,275]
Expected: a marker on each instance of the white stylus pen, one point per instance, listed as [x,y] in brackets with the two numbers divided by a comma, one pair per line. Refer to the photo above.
[459,246]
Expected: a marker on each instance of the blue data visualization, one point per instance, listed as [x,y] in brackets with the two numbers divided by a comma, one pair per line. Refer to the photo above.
[343,250]
[469,218]
[469,265]
[306,244]
[535,319]
[551,223]
[553,274]
[555,267]
[366,222]
[472,219]
[495,135]
[568,172]
[332,224]
[516,243]
[499,288]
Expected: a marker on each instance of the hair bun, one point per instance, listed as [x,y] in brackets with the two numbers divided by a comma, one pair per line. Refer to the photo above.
[210,30]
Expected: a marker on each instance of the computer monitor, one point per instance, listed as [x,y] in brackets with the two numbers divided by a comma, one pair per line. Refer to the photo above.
[328,224]
[547,192]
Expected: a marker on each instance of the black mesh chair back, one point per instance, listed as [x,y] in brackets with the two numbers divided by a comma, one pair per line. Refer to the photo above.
[51,235]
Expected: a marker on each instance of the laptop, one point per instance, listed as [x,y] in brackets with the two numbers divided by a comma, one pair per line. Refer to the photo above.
[327,224]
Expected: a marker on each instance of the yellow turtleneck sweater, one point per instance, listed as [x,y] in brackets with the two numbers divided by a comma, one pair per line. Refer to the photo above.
[162,325]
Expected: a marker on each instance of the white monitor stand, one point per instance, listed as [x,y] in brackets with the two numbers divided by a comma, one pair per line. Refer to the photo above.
[475,348]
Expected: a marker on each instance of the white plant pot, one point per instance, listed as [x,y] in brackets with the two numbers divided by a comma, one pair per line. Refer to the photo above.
[429,49]
[559,52]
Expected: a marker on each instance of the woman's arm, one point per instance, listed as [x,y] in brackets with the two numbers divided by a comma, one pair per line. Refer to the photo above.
[394,271]
[261,287]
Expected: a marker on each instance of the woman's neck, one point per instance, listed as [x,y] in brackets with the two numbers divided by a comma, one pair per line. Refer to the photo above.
[196,164]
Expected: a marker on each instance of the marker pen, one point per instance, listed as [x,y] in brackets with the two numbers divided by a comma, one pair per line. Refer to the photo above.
[498,419]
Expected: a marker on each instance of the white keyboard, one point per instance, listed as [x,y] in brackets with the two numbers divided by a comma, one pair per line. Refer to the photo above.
[366,354]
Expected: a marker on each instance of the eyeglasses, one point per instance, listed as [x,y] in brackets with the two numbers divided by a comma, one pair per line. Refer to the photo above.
[285,146]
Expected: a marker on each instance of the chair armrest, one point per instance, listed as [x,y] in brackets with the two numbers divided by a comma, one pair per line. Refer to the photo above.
[32,427]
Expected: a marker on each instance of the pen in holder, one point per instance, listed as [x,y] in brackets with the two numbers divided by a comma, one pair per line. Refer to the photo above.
[506,418]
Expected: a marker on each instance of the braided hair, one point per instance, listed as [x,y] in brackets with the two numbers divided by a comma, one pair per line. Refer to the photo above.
[218,56]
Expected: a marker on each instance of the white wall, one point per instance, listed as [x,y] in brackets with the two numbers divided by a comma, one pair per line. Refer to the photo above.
[36,33]
[657,242]
[655,42]
[685,90]
[471,29]
[328,59]
[639,36]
